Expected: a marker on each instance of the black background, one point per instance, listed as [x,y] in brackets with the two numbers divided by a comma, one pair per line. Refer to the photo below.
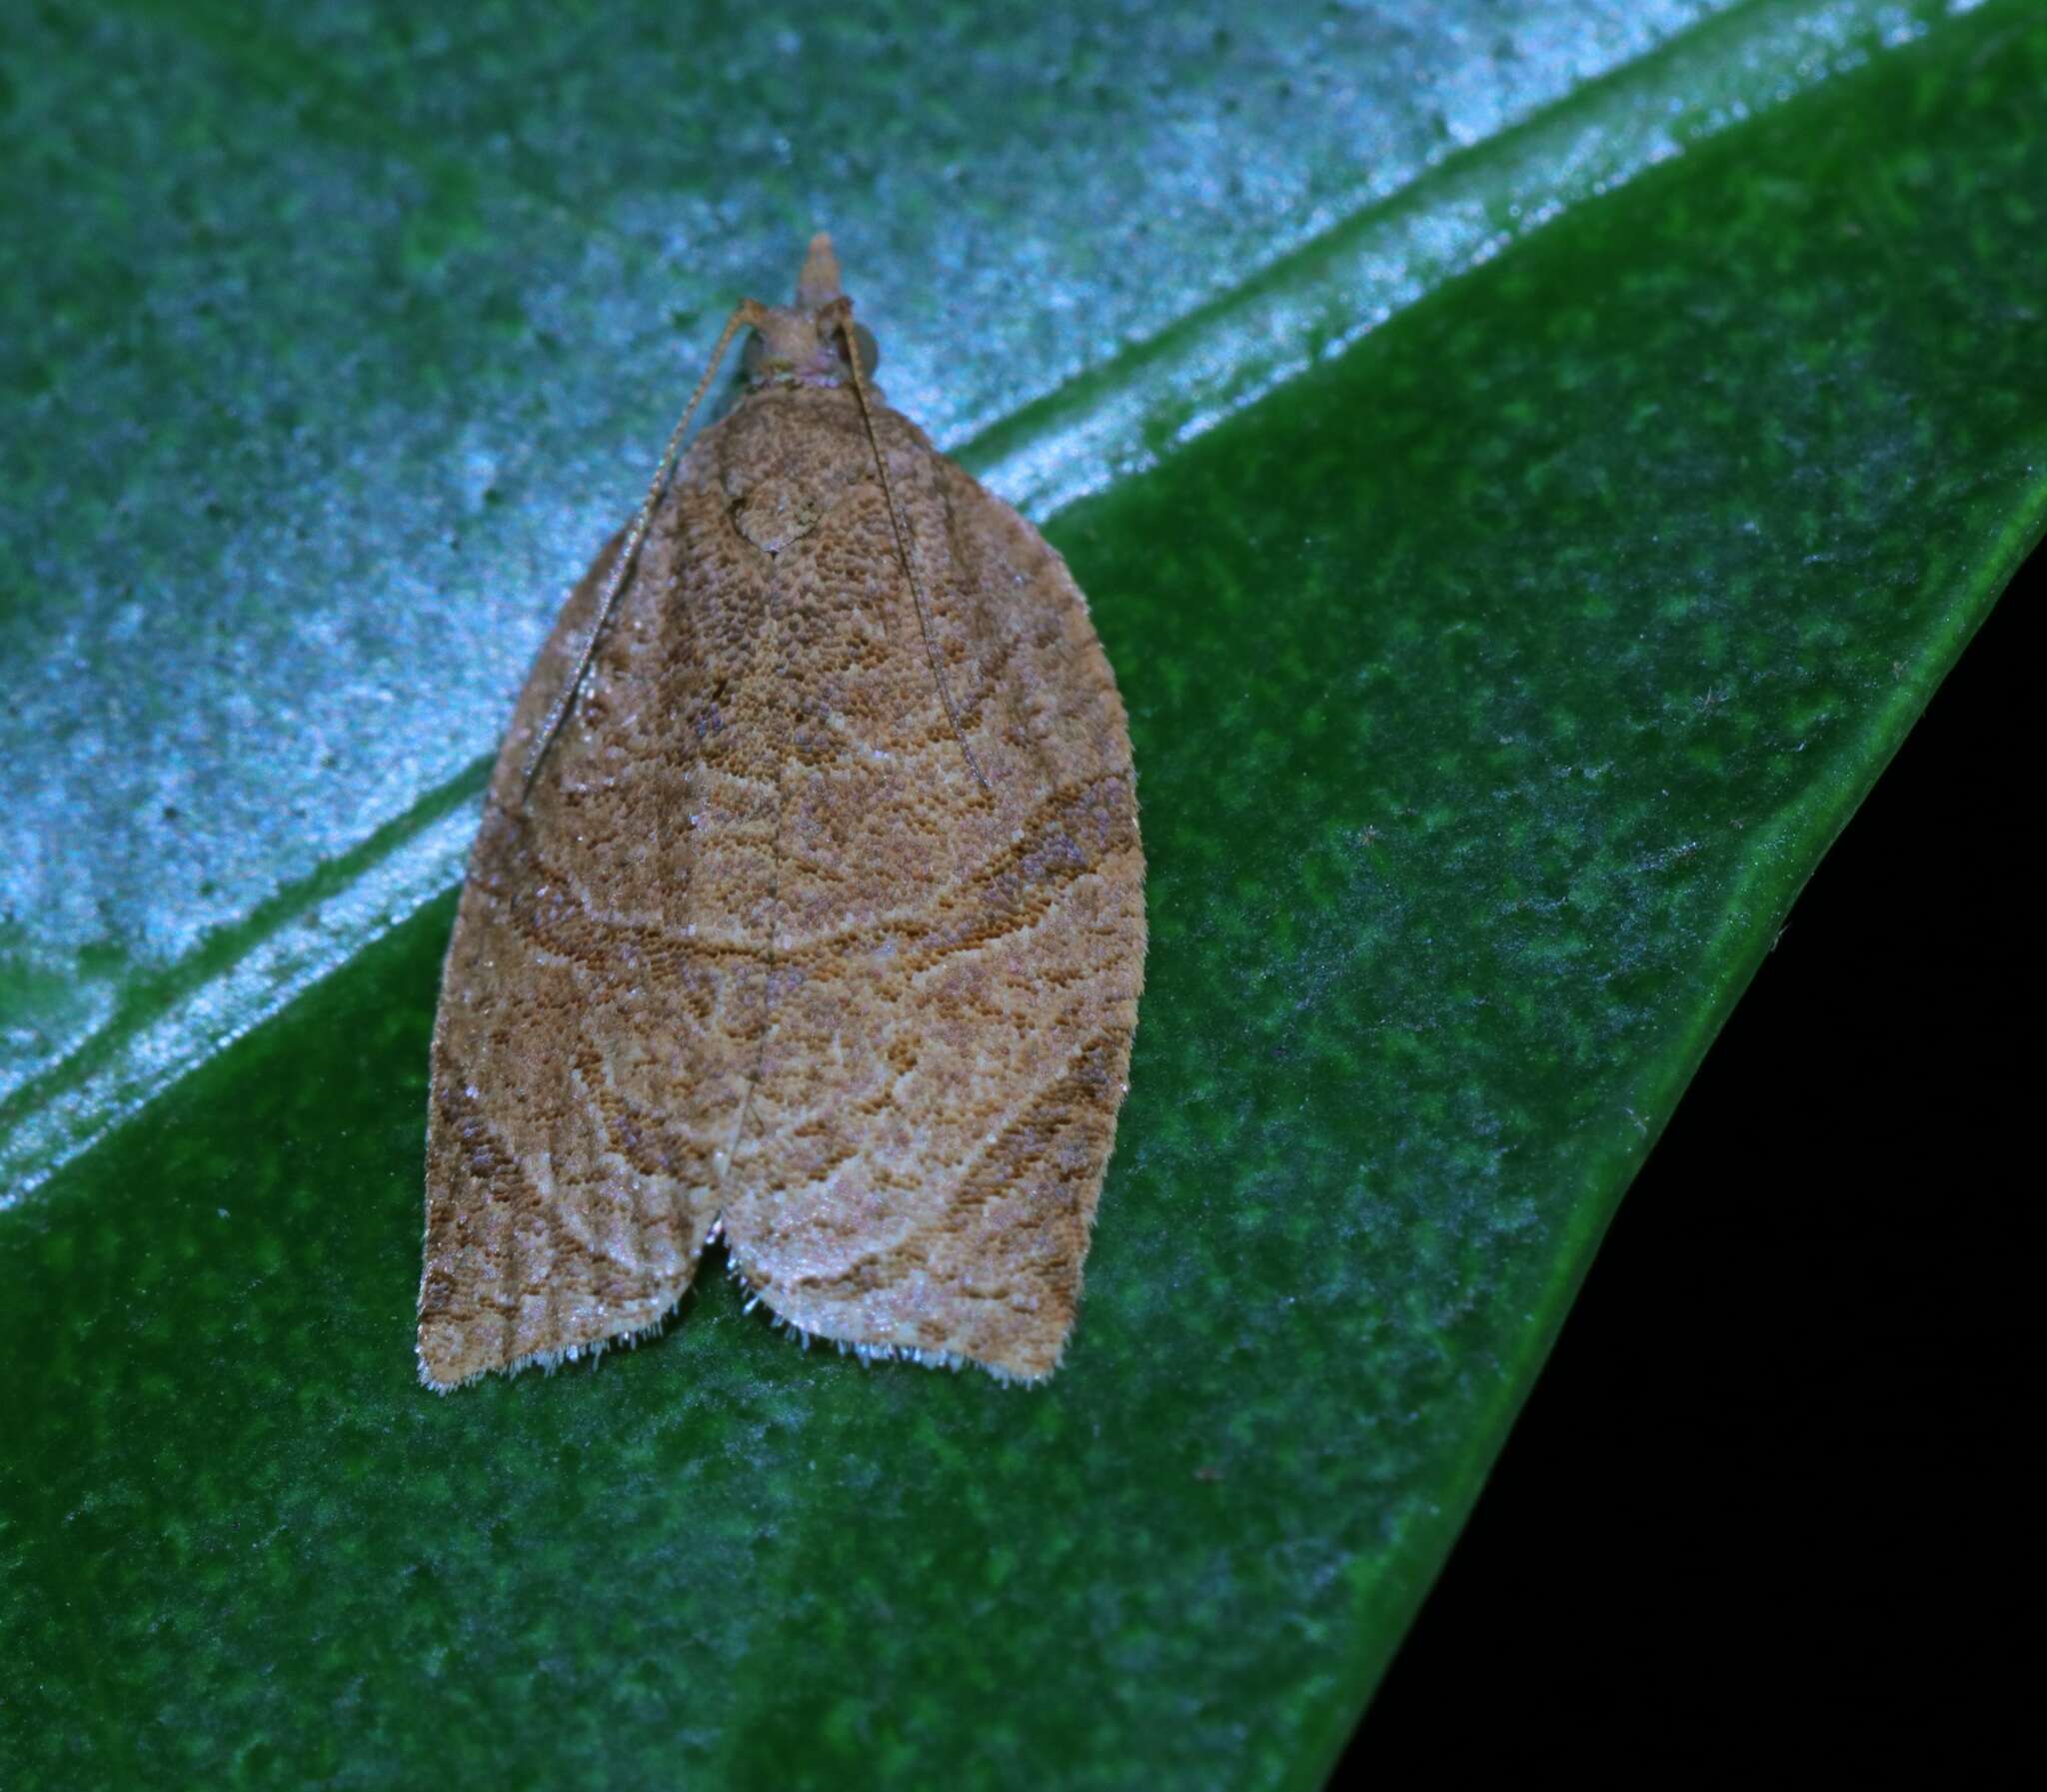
[1764,1508]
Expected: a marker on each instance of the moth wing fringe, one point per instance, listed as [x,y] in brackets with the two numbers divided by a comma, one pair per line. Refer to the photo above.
[870,1354]
[548,1362]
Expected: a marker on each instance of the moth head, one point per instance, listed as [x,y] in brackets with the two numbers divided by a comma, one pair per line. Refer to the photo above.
[807,343]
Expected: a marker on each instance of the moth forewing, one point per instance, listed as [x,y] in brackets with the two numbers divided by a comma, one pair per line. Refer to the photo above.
[822,940]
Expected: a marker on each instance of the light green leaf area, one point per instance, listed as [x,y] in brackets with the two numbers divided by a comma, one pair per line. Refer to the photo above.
[1529,465]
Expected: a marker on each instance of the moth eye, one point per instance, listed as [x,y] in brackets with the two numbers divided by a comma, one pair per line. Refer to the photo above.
[864,345]
[752,356]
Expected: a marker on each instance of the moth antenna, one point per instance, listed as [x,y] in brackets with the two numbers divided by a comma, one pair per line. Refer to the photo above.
[903,541]
[748,311]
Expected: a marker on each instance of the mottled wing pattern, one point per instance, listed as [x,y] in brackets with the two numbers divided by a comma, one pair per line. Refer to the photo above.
[759,949]
[956,968]
[584,1071]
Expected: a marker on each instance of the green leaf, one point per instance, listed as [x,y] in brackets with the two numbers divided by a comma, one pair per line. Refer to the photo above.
[1529,464]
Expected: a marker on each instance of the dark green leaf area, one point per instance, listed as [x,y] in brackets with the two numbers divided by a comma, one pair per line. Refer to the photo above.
[1494,687]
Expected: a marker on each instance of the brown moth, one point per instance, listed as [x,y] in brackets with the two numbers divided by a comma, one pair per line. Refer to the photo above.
[807,911]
